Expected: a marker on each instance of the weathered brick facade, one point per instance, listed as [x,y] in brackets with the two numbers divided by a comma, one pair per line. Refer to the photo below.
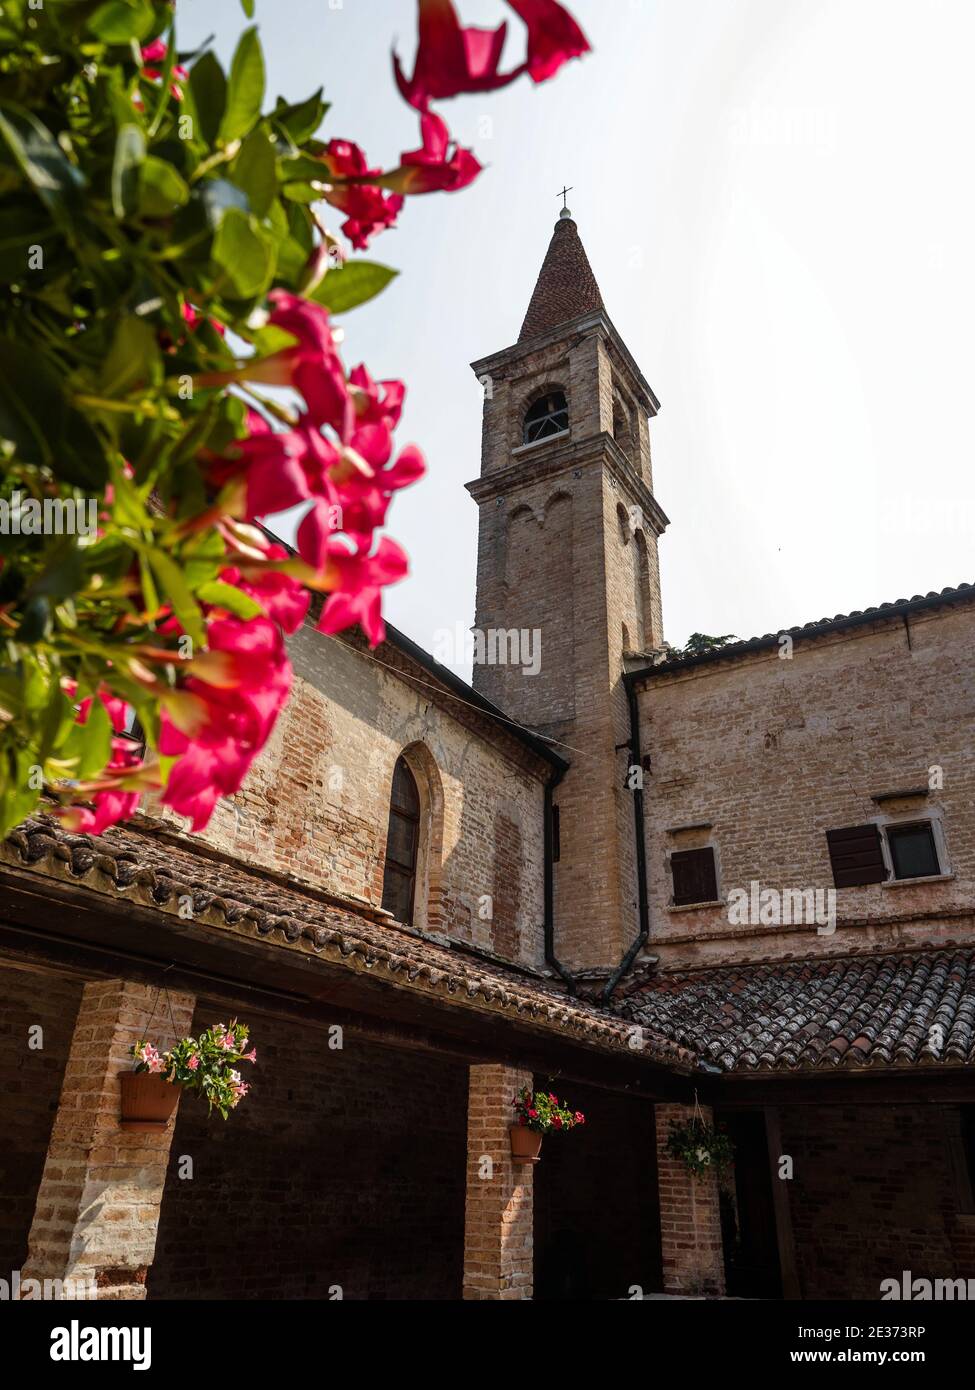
[98,1201]
[690,1215]
[759,756]
[877,1190]
[316,804]
[498,1256]
[380,1168]
[567,548]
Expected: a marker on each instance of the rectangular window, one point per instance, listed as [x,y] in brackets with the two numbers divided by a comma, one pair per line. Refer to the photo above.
[913,851]
[856,855]
[695,880]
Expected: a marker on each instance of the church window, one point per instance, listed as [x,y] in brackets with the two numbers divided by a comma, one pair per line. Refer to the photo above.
[913,852]
[547,416]
[695,879]
[402,844]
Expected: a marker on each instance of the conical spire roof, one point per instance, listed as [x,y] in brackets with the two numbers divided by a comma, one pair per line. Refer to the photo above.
[566,287]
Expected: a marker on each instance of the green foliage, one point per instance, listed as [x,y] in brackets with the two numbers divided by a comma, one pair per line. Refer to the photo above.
[146,214]
[543,1112]
[702,1147]
[699,643]
[207,1064]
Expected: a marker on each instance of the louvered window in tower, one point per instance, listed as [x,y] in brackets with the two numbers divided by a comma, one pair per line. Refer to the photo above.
[402,844]
[549,415]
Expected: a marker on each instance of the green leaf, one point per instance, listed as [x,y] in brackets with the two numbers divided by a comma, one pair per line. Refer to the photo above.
[90,743]
[245,91]
[245,252]
[36,621]
[133,358]
[354,283]
[173,589]
[120,21]
[62,576]
[130,151]
[161,189]
[226,596]
[216,196]
[301,119]
[53,177]
[248,7]
[208,88]
[32,404]
[255,171]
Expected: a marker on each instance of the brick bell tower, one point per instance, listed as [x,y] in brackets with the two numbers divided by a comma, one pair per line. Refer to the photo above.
[567,554]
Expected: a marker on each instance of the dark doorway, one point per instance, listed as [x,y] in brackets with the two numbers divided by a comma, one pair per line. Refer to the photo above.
[751,1250]
[597,1224]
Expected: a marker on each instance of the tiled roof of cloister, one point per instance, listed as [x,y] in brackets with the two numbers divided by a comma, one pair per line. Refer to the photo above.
[147,868]
[910,1009]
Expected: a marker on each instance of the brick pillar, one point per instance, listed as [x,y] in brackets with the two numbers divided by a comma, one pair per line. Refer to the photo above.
[498,1227]
[98,1203]
[690,1217]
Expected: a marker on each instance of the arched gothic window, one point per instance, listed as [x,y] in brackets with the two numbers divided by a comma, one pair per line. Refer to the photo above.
[402,844]
[546,416]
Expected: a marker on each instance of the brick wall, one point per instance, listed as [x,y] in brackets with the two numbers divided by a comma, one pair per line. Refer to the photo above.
[769,754]
[552,558]
[498,1226]
[340,1168]
[30,1082]
[316,804]
[692,1252]
[873,1195]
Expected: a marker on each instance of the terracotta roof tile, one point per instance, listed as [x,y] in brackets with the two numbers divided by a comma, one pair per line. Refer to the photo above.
[909,1009]
[566,287]
[157,870]
[856,618]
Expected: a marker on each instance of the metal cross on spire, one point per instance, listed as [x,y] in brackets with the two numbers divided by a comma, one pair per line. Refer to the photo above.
[564,195]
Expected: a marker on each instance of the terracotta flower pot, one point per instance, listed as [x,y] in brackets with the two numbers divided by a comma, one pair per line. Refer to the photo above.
[148,1100]
[526,1144]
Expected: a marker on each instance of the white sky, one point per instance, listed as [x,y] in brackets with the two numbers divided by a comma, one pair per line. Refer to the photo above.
[776,198]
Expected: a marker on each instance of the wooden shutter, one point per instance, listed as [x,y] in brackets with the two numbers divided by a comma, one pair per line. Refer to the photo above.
[856,856]
[695,880]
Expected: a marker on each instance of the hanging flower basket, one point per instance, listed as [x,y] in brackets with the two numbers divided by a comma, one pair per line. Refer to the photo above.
[205,1064]
[539,1113]
[702,1147]
[147,1101]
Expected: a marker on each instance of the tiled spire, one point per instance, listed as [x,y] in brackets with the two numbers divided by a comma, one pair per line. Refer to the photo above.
[566,287]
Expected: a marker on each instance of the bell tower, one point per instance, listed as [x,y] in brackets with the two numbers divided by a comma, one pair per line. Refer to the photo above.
[567,560]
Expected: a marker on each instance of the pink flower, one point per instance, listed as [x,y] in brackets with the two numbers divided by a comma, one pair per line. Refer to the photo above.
[439,165]
[311,365]
[451,59]
[192,1062]
[155,54]
[553,37]
[113,797]
[221,717]
[355,582]
[250,1056]
[368,209]
[283,598]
